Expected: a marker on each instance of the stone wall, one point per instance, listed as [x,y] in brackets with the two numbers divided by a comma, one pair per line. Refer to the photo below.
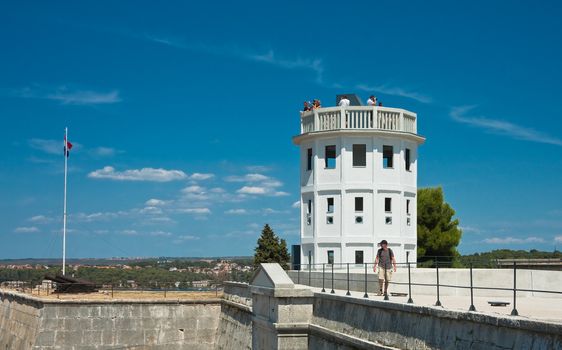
[19,322]
[32,323]
[235,324]
[365,324]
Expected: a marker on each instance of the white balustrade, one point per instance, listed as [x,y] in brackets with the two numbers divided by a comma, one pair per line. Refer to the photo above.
[358,117]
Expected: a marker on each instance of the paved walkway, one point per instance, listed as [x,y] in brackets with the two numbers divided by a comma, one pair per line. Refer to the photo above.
[544,309]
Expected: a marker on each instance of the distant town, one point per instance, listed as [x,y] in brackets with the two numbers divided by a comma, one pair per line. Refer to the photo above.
[177,273]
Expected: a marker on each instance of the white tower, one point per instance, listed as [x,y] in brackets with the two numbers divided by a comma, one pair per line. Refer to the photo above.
[358,183]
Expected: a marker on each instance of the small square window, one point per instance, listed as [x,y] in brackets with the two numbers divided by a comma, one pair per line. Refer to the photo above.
[408,221]
[387,157]
[407,159]
[358,204]
[330,205]
[309,207]
[359,155]
[388,220]
[359,257]
[358,219]
[330,157]
[330,256]
[309,159]
[388,205]
[329,220]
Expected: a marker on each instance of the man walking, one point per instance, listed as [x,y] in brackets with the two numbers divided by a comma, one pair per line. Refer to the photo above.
[385,261]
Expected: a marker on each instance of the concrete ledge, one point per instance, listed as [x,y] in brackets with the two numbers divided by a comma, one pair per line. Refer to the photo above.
[242,307]
[303,291]
[345,339]
[514,322]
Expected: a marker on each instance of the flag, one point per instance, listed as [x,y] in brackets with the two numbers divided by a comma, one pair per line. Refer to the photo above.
[67,147]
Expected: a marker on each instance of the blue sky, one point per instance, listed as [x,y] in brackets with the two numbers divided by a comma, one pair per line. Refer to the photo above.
[182,116]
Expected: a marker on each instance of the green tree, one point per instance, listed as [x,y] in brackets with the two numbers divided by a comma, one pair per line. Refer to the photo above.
[438,232]
[271,249]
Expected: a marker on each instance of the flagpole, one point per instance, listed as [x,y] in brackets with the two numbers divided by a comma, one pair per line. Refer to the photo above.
[64,206]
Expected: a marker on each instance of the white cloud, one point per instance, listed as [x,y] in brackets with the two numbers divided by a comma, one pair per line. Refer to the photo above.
[258,168]
[470,229]
[217,190]
[144,174]
[67,96]
[395,91]
[40,219]
[98,216]
[513,240]
[184,238]
[151,210]
[297,204]
[248,178]
[313,64]
[201,176]
[48,146]
[558,239]
[26,229]
[160,234]
[236,211]
[129,232]
[103,151]
[199,211]
[252,190]
[153,202]
[502,127]
[280,194]
[193,189]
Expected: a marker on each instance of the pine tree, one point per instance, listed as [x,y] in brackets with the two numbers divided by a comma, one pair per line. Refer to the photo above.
[438,232]
[270,249]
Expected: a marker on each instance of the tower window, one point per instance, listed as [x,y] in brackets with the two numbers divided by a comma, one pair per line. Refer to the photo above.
[388,220]
[330,205]
[309,159]
[330,157]
[359,204]
[408,206]
[388,204]
[330,256]
[407,159]
[309,212]
[359,155]
[359,257]
[387,156]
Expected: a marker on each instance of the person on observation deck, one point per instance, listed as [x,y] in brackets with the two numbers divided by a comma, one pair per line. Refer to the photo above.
[307,107]
[344,101]
[316,104]
[372,101]
[385,261]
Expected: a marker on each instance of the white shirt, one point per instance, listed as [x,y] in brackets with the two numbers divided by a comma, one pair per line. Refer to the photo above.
[372,102]
[344,102]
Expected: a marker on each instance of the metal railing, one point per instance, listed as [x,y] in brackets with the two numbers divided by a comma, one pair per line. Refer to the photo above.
[158,289]
[328,271]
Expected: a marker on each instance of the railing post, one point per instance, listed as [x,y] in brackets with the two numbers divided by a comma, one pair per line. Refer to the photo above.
[348,293]
[316,120]
[471,308]
[309,274]
[365,295]
[514,311]
[438,303]
[299,274]
[401,122]
[410,301]
[332,292]
[323,277]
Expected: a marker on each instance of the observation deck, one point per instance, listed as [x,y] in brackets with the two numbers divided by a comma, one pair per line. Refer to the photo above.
[355,118]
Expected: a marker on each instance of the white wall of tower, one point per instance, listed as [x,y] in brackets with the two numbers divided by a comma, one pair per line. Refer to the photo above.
[344,235]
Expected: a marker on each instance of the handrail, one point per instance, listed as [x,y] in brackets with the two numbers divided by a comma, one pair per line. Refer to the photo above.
[359,117]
